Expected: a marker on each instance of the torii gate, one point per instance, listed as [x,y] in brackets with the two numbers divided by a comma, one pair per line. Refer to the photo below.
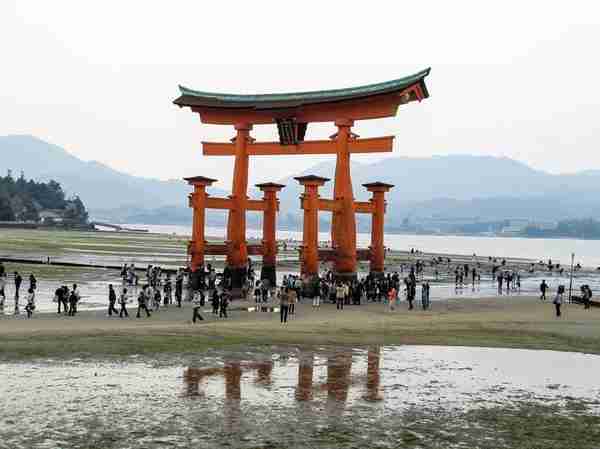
[292,113]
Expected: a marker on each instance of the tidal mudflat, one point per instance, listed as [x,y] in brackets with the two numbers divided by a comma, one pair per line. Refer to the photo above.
[315,397]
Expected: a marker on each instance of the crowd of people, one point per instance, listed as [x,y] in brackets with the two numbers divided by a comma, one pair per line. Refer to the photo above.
[161,288]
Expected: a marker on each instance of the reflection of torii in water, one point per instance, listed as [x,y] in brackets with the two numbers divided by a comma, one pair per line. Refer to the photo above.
[338,382]
[232,372]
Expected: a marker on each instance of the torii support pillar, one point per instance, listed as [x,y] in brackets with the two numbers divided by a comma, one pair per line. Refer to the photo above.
[343,221]
[309,267]
[269,262]
[378,189]
[237,257]
[198,203]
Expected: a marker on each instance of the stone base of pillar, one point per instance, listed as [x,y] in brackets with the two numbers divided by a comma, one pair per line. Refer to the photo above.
[197,279]
[236,281]
[344,277]
[311,285]
[269,272]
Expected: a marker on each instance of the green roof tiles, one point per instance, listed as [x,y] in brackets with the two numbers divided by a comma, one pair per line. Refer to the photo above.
[191,97]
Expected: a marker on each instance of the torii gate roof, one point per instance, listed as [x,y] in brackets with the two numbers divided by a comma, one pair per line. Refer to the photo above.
[353,103]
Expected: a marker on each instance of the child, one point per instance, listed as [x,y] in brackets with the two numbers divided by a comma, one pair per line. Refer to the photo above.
[157,299]
[198,304]
[30,307]
[257,292]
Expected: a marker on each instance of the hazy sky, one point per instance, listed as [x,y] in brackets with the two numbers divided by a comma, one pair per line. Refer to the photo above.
[517,79]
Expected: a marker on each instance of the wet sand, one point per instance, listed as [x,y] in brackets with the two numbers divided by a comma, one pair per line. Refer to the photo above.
[520,322]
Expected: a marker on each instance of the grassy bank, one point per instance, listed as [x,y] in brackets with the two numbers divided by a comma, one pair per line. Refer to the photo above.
[521,425]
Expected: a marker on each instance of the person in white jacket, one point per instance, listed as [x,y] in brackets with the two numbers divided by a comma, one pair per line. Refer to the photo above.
[558,299]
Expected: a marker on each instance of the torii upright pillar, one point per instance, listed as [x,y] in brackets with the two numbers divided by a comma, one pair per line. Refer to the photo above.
[197,245]
[378,189]
[269,261]
[237,257]
[343,220]
[310,244]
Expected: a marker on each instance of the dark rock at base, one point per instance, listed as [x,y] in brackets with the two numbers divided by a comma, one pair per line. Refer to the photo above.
[269,272]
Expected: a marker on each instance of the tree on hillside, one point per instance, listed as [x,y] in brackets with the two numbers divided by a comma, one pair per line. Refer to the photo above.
[6,212]
[23,200]
[75,211]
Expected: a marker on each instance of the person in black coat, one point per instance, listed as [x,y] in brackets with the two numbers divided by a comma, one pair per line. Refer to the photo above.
[223,304]
[32,282]
[73,303]
[18,281]
[112,299]
[59,294]
[215,302]
[178,290]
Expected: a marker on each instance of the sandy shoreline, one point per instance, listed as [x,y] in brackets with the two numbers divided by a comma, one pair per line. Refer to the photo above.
[521,322]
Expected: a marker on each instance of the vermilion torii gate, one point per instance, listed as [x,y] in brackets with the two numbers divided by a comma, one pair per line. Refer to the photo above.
[292,113]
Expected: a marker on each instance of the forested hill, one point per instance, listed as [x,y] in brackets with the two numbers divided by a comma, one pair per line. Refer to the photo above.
[27,200]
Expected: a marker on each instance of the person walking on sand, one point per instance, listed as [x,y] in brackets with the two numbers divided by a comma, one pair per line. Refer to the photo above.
[65,298]
[123,303]
[214,299]
[284,304]
[167,292]
[58,298]
[223,304]
[425,296]
[317,298]
[72,303]
[32,282]
[410,292]
[112,300]
[392,296]
[588,295]
[30,307]
[292,299]
[18,281]
[543,289]
[178,289]
[142,305]
[198,303]
[340,292]
[558,299]
[2,291]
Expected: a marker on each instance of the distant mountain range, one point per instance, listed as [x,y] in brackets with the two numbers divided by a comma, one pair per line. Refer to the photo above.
[99,186]
[459,187]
